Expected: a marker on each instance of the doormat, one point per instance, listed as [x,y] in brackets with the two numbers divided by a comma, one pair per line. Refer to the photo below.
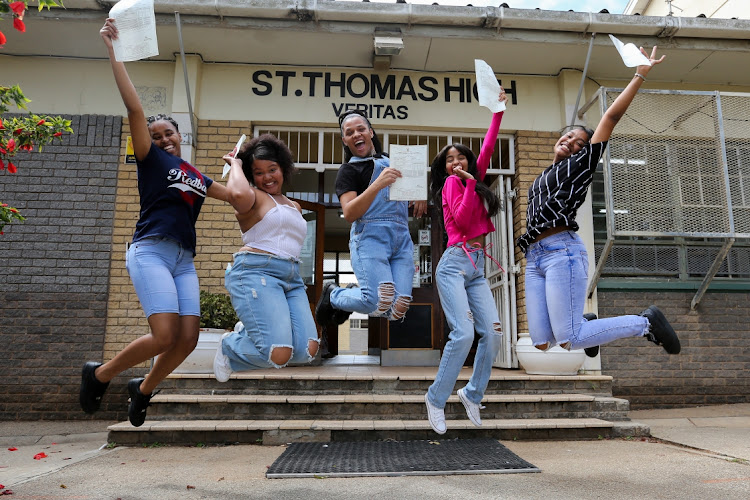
[397,458]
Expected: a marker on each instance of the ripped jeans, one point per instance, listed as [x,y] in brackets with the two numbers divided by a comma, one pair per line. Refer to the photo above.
[383,262]
[269,296]
[468,306]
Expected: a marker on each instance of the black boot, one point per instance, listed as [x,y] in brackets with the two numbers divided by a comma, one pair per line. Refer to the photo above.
[138,402]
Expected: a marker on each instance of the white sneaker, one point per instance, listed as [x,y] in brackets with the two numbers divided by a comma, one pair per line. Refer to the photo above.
[222,370]
[436,416]
[472,409]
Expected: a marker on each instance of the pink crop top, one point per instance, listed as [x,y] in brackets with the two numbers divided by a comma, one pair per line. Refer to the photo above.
[463,210]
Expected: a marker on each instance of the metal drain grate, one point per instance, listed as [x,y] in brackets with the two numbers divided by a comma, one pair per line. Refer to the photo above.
[397,458]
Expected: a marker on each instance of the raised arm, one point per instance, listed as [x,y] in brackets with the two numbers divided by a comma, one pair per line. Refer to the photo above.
[136,116]
[490,139]
[617,110]
[239,193]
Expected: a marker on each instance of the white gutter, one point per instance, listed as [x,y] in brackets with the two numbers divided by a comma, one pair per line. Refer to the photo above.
[405,14]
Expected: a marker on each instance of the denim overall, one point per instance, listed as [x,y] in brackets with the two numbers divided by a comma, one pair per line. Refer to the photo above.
[381,251]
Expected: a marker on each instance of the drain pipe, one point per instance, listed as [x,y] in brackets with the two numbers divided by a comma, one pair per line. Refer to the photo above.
[583,80]
[187,80]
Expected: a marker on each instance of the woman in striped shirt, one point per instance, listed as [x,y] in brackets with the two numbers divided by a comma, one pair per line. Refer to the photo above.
[556,258]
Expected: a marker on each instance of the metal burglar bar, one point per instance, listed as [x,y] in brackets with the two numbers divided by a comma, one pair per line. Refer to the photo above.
[674,194]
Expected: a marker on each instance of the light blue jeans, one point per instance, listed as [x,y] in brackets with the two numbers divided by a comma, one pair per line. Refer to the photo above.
[164,277]
[381,253]
[468,305]
[269,297]
[556,280]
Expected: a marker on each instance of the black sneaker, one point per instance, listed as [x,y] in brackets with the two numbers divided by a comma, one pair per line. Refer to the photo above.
[138,402]
[591,352]
[92,389]
[324,311]
[660,332]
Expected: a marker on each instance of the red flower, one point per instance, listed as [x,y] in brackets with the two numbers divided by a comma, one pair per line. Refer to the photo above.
[40,456]
[2,167]
[11,144]
[2,39]
[5,205]
[40,122]
[27,147]
[2,127]
[13,210]
[18,131]
[18,24]
[18,8]
[12,168]
[57,134]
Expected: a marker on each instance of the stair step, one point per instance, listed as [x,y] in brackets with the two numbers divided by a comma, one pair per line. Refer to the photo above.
[361,398]
[376,380]
[275,432]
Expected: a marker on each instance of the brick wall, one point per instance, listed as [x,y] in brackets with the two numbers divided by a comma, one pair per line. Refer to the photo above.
[715,359]
[54,269]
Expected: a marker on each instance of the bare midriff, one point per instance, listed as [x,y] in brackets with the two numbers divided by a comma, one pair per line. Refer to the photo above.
[254,250]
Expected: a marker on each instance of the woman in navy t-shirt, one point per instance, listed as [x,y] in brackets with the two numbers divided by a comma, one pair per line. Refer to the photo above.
[160,258]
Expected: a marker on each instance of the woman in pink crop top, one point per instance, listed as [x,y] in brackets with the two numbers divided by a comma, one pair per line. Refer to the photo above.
[264,281]
[467,204]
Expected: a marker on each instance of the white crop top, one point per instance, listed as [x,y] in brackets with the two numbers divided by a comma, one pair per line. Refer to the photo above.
[281,232]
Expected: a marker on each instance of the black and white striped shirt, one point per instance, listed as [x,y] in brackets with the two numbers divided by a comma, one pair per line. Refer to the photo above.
[556,194]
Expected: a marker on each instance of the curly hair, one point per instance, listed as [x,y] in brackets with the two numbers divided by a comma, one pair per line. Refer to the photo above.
[267,147]
[439,175]
[155,118]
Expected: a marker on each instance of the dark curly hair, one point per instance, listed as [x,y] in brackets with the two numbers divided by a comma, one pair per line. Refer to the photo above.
[439,175]
[155,118]
[267,147]
[375,140]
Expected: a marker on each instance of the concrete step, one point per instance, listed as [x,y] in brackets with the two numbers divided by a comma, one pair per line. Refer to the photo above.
[278,432]
[379,406]
[378,380]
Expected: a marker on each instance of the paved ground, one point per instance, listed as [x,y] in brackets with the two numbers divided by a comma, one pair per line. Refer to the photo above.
[701,453]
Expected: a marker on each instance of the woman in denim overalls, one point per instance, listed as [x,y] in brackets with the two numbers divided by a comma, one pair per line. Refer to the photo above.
[380,245]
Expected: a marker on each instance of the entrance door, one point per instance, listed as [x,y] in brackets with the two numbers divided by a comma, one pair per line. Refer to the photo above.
[311,256]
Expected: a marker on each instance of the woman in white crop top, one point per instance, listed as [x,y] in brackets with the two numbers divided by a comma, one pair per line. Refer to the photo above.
[264,282]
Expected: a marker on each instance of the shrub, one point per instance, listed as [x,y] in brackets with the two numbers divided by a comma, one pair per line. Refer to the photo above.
[217,311]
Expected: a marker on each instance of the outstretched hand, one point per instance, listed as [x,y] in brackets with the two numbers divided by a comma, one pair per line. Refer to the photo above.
[643,70]
[108,32]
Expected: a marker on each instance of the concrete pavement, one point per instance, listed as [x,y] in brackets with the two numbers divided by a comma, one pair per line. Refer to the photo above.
[695,453]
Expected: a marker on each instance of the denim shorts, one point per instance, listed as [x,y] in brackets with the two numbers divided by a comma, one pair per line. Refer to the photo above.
[164,276]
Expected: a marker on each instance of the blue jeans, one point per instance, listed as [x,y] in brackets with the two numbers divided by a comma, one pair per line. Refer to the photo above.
[269,297]
[164,277]
[468,305]
[556,280]
[381,252]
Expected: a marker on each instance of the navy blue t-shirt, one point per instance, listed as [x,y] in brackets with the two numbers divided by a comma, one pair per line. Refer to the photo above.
[172,192]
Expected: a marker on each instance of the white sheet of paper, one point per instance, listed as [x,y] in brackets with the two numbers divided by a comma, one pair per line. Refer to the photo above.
[136,30]
[487,87]
[411,161]
[631,55]
[227,166]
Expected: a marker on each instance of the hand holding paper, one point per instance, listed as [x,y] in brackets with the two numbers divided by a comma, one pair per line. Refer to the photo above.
[487,87]
[631,55]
